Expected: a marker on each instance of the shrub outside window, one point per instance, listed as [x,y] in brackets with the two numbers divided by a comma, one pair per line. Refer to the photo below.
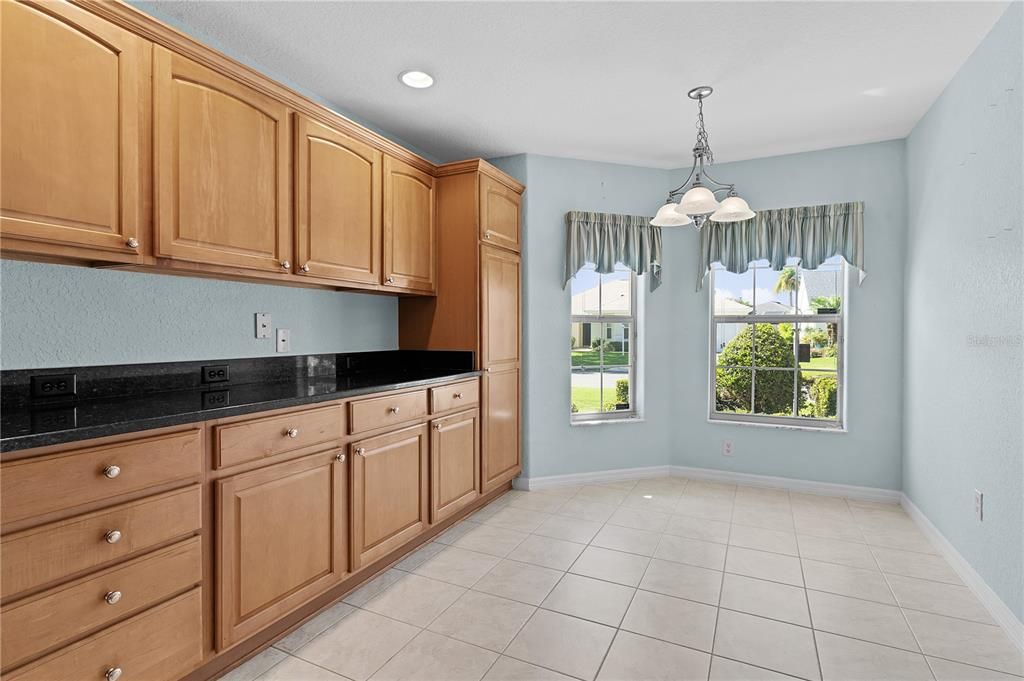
[602,340]
[777,342]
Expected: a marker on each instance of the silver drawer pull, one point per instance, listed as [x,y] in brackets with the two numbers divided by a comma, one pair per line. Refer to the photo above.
[111,472]
[112,597]
[394,410]
[437,426]
[132,243]
[113,674]
[285,265]
[113,536]
[458,396]
[340,458]
[292,432]
[361,451]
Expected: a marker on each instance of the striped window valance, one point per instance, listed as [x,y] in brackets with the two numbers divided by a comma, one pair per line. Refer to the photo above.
[606,239]
[811,233]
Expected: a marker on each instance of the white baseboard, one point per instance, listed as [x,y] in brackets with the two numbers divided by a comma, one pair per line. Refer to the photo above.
[1000,612]
[791,484]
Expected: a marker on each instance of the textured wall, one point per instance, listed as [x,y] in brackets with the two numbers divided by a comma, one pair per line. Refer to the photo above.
[674,328]
[964,413]
[58,315]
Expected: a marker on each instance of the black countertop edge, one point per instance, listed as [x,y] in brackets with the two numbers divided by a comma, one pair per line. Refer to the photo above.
[77,434]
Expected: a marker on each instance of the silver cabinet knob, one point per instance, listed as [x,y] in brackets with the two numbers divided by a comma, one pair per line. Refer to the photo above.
[113,674]
[111,472]
[361,451]
[487,234]
[112,537]
[437,426]
[389,280]
[292,432]
[285,265]
[305,268]
[132,243]
[458,396]
[112,597]
[340,458]
[394,410]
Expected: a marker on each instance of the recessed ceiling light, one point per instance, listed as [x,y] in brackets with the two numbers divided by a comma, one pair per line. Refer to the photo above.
[416,79]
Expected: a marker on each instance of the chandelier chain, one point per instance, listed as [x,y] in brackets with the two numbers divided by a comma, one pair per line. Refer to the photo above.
[703,146]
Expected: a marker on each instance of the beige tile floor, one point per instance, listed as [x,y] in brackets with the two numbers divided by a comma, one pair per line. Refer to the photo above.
[658,579]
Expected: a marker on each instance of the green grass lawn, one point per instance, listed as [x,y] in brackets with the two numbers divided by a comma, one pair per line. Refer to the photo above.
[592,358]
[828,363]
[587,400]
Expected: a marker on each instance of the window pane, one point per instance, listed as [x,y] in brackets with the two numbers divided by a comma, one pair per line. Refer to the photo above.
[773,392]
[732,390]
[733,343]
[818,394]
[587,349]
[776,292]
[586,292]
[773,345]
[616,297]
[822,340]
[734,293]
[821,290]
[618,391]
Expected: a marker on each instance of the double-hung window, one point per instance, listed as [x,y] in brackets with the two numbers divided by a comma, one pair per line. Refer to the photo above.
[602,345]
[777,345]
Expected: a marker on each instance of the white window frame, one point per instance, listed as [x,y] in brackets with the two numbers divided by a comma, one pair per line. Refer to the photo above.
[803,422]
[633,320]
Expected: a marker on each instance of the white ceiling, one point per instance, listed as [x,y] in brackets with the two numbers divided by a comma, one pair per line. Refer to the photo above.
[607,81]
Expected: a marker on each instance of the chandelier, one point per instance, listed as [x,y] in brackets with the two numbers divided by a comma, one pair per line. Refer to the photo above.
[698,200]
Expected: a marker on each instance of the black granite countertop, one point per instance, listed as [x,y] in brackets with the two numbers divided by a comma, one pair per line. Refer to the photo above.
[130,398]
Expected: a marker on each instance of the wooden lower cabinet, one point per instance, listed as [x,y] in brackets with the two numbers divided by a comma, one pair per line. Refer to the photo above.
[390,492]
[500,459]
[454,463]
[282,539]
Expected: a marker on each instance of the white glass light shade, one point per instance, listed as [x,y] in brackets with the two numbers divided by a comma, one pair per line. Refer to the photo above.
[698,201]
[668,217]
[733,209]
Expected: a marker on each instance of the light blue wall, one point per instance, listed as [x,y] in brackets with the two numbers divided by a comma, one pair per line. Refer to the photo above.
[964,412]
[58,315]
[675,328]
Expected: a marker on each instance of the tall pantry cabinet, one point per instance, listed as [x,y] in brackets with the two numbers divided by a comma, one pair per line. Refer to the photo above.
[478,301]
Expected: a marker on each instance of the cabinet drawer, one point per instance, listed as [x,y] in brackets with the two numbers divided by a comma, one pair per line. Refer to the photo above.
[259,438]
[46,553]
[455,396]
[161,644]
[34,487]
[380,412]
[61,614]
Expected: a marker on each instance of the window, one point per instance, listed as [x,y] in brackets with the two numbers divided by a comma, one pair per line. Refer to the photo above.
[602,345]
[777,341]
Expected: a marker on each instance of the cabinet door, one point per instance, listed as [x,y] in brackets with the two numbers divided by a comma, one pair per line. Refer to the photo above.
[410,250]
[499,307]
[337,205]
[72,133]
[499,214]
[501,460]
[454,463]
[389,492]
[221,165]
[282,538]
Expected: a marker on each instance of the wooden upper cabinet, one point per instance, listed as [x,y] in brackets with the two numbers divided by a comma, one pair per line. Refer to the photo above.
[222,185]
[337,205]
[390,492]
[410,248]
[72,133]
[499,214]
[499,307]
[282,538]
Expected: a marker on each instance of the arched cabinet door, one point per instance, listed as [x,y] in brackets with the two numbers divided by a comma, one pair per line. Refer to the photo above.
[410,249]
[72,133]
[337,205]
[222,182]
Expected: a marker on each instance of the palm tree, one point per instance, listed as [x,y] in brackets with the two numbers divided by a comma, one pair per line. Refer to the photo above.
[789,280]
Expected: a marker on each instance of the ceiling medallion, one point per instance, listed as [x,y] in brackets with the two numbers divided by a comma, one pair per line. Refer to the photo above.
[698,200]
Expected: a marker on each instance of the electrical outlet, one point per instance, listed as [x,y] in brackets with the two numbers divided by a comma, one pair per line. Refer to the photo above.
[216,373]
[979,505]
[54,385]
[263,325]
[284,340]
[216,399]
[726,447]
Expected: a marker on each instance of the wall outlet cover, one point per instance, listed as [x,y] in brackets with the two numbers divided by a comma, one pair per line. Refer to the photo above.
[284,340]
[726,447]
[263,325]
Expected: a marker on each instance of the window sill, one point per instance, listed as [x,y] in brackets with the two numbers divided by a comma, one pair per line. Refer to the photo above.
[606,422]
[776,426]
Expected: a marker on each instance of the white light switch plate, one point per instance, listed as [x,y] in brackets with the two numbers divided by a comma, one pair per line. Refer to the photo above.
[284,340]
